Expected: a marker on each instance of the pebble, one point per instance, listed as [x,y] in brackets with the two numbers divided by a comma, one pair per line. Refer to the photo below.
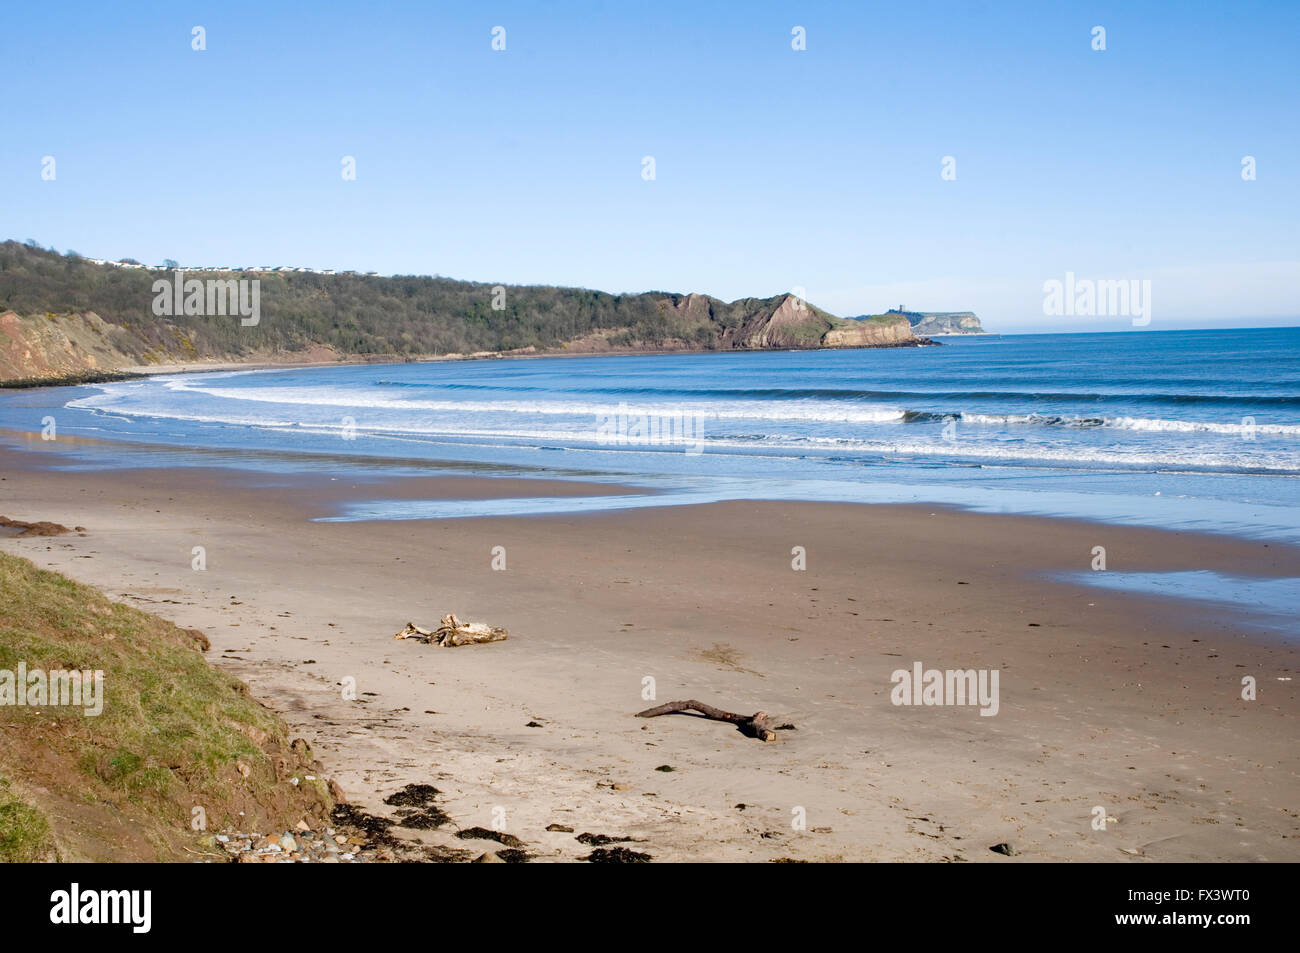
[301,846]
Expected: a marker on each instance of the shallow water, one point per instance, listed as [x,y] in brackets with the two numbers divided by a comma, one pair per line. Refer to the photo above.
[1266,603]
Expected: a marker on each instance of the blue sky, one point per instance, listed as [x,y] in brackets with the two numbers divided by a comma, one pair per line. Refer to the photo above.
[775,169]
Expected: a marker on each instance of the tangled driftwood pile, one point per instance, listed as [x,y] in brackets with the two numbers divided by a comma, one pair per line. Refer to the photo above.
[452,632]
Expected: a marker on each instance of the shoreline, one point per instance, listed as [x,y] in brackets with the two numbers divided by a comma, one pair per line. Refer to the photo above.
[77,451]
[1111,699]
[135,371]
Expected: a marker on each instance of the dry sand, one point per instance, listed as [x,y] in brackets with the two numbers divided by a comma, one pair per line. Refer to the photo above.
[1126,703]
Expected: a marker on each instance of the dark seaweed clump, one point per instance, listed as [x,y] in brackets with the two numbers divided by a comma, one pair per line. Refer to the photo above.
[616,855]
[482,833]
[598,840]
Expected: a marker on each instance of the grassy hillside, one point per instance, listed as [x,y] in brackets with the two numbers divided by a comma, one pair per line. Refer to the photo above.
[350,315]
[174,734]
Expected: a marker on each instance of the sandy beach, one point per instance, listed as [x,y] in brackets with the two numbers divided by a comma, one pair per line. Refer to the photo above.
[1128,704]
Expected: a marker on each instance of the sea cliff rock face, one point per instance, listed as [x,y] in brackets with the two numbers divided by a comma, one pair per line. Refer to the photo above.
[932,322]
[946,322]
[871,334]
[58,345]
[783,322]
[790,322]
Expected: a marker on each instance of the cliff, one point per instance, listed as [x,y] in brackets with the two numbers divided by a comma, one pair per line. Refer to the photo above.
[937,322]
[65,315]
[50,345]
[878,331]
[783,322]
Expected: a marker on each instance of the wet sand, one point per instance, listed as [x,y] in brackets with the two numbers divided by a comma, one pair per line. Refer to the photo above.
[1125,703]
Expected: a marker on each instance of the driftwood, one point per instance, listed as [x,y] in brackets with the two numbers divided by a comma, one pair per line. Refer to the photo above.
[452,632]
[756,725]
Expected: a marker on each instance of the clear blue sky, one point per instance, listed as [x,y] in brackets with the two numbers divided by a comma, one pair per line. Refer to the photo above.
[775,169]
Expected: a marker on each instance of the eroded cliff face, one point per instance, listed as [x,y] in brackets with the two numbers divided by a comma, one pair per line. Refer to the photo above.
[782,323]
[871,334]
[790,322]
[947,322]
[41,346]
[932,322]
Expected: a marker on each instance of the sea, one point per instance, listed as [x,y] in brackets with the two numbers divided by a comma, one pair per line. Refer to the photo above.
[1195,430]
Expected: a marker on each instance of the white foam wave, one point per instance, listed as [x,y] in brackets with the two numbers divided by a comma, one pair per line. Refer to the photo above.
[343,398]
[1147,424]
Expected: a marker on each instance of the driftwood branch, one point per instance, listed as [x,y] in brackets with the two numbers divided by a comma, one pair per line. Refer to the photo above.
[756,725]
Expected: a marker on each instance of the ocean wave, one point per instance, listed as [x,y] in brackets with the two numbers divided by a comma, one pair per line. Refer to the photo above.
[1148,424]
[962,451]
[131,399]
[351,398]
[852,393]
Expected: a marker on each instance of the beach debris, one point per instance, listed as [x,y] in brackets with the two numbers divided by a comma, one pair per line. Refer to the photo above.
[616,855]
[600,840]
[413,795]
[482,833]
[425,820]
[328,845]
[416,809]
[368,827]
[1004,849]
[40,528]
[452,632]
[302,847]
[756,725]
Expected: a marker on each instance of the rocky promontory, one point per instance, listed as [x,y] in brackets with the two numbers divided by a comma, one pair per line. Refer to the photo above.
[934,322]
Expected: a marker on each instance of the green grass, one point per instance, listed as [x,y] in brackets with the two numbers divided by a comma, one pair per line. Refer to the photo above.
[24,830]
[881,319]
[174,732]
